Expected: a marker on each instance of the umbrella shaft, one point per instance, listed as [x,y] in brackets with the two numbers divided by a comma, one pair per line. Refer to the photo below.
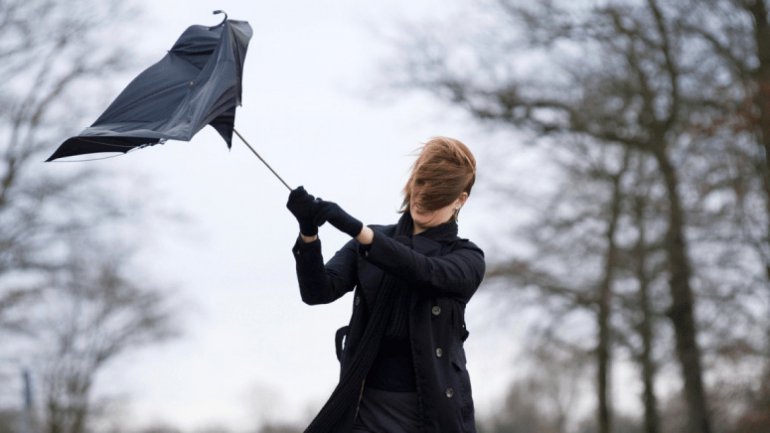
[260,158]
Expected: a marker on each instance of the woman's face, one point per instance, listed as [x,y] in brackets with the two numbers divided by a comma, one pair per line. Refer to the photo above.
[424,218]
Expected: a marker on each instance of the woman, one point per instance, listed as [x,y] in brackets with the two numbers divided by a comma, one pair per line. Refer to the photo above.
[402,361]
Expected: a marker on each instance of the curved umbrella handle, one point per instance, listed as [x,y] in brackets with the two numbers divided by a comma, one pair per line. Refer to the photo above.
[217,12]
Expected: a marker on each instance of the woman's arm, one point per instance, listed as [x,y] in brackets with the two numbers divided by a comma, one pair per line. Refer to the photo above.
[366,236]
[458,273]
[319,283]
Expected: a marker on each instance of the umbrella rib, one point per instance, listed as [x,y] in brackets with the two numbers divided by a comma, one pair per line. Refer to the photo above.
[260,158]
[92,159]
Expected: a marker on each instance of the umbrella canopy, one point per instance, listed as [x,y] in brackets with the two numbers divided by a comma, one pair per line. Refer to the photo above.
[197,83]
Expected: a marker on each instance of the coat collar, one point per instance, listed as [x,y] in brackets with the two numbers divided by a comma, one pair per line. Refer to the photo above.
[428,241]
[443,232]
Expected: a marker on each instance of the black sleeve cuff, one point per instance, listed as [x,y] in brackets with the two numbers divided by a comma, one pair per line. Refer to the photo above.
[302,248]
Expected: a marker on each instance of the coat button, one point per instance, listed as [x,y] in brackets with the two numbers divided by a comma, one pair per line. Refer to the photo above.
[449,392]
[357,300]
[439,352]
[436,310]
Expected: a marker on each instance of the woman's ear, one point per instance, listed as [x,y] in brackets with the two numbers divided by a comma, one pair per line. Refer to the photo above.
[460,201]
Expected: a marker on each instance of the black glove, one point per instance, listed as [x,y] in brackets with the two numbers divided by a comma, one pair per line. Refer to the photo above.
[332,212]
[304,207]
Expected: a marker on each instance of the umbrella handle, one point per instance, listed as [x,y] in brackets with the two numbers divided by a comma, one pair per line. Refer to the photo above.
[216,12]
[260,158]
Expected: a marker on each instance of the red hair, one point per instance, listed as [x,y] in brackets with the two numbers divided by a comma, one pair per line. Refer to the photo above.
[444,169]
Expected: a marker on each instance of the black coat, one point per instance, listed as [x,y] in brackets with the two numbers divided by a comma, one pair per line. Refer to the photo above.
[445,272]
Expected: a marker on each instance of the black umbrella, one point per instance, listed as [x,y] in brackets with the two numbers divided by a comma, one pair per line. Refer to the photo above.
[197,83]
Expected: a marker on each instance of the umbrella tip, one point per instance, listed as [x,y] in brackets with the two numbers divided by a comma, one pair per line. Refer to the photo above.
[220,11]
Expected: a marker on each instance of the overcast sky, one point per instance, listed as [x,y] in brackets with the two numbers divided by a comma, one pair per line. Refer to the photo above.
[251,348]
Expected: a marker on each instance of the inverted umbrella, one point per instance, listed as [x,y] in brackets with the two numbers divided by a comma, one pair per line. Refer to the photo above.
[197,83]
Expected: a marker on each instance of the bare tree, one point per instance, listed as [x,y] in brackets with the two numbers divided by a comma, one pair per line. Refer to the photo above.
[636,90]
[605,295]
[51,51]
[543,401]
[9,419]
[63,286]
[95,313]
[582,258]
[645,319]
[735,35]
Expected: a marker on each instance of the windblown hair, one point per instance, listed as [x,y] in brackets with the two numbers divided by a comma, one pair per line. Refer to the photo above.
[444,169]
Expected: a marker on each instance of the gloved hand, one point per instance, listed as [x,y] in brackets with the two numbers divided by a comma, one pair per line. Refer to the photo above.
[332,212]
[304,207]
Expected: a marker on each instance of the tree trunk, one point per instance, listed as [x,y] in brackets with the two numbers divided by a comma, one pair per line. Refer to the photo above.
[603,348]
[603,358]
[645,325]
[682,310]
[758,11]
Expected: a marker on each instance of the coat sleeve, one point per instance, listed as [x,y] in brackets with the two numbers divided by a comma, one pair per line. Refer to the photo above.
[458,273]
[319,283]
